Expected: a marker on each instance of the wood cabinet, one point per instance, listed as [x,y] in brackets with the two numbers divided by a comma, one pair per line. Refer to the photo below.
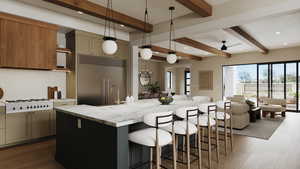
[40,124]
[2,120]
[27,43]
[2,137]
[91,44]
[18,127]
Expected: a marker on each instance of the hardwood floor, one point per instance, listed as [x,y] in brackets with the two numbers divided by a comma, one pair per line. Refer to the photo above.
[281,151]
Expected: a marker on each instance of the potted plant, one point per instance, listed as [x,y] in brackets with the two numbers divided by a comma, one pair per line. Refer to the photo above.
[153,88]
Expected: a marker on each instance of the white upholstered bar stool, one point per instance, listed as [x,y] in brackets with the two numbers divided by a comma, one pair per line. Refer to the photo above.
[154,137]
[186,129]
[224,116]
[206,122]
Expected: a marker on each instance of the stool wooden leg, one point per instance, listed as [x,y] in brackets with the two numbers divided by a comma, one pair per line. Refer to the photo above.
[209,146]
[217,143]
[231,135]
[188,151]
[157,157]
[225,136]
[199,149]
[174,152]
[151,158]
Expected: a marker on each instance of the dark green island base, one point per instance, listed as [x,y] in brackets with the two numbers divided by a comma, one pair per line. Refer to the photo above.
[87,144]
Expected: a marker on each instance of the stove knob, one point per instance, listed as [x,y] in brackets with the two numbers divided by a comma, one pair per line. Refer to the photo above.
[34,106]
[47,105]
[14,108]
[31,107]
[27,107]
[38,106]
[21,108]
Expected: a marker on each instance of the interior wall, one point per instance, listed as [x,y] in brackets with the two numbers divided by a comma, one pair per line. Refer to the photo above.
[215,64]
[30,84]
[157,75]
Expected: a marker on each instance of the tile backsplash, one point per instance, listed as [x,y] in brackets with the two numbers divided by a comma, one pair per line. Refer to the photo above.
[25,84]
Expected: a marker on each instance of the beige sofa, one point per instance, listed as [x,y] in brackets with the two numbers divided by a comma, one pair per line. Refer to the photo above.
[239,109]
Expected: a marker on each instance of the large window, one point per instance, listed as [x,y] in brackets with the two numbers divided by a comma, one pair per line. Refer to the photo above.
[169,75]
[273,80]
[187,82]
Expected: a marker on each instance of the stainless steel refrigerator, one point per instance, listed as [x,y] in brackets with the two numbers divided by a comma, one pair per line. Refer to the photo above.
[101,80]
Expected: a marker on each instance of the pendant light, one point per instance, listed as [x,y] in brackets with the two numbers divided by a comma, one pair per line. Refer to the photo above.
[109,45]
[171,58]
[146,52]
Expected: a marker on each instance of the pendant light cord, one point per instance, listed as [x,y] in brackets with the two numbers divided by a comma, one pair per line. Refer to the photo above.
[172,30]
[109,15]
[146,21]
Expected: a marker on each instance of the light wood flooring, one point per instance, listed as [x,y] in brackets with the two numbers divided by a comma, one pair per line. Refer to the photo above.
[281,151]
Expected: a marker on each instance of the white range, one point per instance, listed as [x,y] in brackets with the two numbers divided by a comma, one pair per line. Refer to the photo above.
[18,106]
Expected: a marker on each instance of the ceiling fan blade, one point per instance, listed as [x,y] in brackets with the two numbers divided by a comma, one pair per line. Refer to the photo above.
[234,45]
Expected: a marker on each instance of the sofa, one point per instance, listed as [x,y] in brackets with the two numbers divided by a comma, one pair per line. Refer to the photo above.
[239,110]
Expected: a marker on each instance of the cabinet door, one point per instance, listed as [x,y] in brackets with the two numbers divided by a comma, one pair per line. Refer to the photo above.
[2,45]
[96,47]
[83,45]
[15,40]
[2,120]
[17,127]
[40,124]
[2,136]
[53,122]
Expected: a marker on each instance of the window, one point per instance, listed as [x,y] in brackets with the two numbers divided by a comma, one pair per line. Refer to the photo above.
[169,80]
[187,82]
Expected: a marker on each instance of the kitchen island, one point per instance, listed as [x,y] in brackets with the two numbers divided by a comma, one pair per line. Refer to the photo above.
[90,137]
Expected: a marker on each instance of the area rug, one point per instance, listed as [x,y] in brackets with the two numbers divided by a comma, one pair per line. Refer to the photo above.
[262,129]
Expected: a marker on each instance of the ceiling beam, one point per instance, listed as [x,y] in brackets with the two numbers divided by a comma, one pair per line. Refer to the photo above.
[155,57]
[202,46]
[183,55]
[99,11]
[247,38]
[198,6]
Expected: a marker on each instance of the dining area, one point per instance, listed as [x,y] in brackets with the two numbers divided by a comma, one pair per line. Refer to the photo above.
[187,132]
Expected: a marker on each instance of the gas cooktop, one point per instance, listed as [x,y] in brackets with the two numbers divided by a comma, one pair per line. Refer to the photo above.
[28,105]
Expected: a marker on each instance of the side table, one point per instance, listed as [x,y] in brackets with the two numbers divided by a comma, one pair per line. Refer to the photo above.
[255,114]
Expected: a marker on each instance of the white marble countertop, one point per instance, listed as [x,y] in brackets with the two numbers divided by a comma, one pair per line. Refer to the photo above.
[64,100]
[125,114]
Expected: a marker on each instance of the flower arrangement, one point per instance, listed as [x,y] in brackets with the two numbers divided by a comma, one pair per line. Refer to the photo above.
[165,100]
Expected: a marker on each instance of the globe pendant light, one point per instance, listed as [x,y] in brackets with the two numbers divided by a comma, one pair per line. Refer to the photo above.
[146,52]
[171,58]
[109,45]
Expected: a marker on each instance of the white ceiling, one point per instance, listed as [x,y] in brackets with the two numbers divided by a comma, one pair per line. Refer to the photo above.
[158,9]
[263,30]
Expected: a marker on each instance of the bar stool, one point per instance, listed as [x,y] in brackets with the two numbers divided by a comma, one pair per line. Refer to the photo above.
[154,137]
[206,122]
[224,117]
[186,129]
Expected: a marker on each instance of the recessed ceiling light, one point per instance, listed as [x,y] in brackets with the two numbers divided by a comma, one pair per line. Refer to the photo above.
[285,43]
[79,12]
[278,33]
[122,25]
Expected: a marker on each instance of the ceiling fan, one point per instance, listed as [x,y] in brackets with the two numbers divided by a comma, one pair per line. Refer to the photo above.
[224,47]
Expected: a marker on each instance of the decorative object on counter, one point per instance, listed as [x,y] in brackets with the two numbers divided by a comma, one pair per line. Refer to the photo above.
[109,45]
[1,93]
[129,99]
[51,91]
[172,58]
[165,100]
[146,52]
[145,78]
[153,87]
[59,95]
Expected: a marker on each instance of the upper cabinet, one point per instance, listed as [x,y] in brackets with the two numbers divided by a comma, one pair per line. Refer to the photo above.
[27,43]
[91,44]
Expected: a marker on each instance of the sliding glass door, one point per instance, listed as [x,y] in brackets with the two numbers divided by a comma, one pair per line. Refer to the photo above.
[273,80]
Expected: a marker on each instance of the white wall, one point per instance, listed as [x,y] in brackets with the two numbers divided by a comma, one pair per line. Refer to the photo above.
[215,64]
[25,84]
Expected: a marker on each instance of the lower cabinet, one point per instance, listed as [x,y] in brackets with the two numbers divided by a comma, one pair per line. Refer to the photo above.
[40,124]
[26,126]
[18,127]
[2,137]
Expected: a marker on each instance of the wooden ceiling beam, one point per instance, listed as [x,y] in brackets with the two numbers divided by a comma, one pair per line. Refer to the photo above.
[184,55]
[200,7]
[99,11]
[201,46]
[155,57]
[247,38]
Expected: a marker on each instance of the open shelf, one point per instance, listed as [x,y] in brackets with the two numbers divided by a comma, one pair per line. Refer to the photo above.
[64,50]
